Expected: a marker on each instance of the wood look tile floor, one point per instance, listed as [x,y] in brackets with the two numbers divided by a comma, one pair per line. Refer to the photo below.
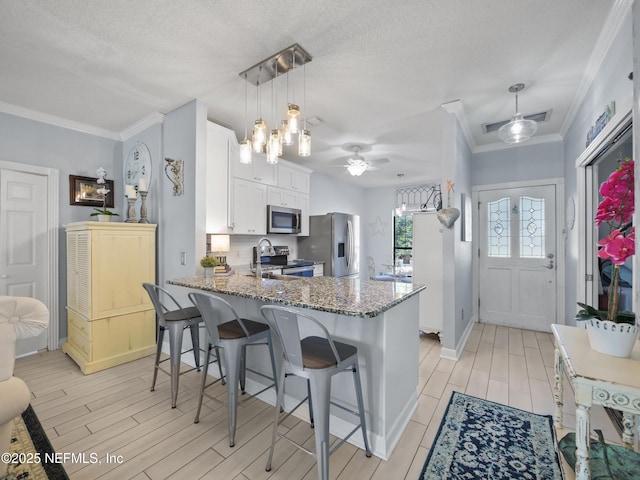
[113,412]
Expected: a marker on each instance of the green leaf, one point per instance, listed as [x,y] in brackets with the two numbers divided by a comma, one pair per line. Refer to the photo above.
[626,317]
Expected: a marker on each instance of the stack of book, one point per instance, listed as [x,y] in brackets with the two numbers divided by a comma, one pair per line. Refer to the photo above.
[222,270]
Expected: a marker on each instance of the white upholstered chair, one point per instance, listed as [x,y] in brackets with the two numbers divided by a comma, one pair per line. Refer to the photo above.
[20,317]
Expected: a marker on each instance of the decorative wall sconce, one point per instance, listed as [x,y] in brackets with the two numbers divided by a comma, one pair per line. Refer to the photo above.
[174,172]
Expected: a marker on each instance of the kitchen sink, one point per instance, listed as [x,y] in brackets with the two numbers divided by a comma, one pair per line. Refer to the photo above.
[277,276]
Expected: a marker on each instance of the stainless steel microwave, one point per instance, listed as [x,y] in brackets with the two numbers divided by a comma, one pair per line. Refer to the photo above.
[283,219]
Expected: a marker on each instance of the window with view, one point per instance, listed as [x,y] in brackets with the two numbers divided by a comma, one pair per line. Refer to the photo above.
[402,239]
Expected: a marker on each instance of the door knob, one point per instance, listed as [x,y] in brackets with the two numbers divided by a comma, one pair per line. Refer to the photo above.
[550,266]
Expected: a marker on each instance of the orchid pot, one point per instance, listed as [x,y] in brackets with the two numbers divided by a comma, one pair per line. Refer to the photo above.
[614,332]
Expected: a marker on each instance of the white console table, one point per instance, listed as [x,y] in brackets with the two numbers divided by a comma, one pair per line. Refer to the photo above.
[597,379]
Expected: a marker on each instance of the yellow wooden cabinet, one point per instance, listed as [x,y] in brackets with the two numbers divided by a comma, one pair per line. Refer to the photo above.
[110,317]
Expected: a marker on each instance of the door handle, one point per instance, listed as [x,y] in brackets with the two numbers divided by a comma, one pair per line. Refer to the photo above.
[550,266]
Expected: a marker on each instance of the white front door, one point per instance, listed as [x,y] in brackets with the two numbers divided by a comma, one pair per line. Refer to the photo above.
[517,257]
[24,258]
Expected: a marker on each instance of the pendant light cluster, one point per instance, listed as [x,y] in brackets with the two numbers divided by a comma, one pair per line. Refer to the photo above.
[271,139]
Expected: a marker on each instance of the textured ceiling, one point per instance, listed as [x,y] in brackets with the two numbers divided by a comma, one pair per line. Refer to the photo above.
[379,70]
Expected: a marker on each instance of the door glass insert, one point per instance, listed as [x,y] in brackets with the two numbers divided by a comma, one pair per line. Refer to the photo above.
[499,231]
[532,227]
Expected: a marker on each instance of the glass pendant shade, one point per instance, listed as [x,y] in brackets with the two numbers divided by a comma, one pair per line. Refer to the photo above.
[293,118]
[245,151]
[287,136]
[273,147]
[304,143]
[259,136]
[517,130]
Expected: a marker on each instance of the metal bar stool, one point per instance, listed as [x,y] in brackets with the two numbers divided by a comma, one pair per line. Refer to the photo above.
[317,359]
[233,334]
[171,316]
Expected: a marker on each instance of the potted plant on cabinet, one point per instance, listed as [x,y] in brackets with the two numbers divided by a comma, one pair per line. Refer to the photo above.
[611,331]
[209,264]
[103,214]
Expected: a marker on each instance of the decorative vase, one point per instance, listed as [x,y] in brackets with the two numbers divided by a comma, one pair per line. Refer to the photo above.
[104,218]
[209,272]
[448,216]
[610,338]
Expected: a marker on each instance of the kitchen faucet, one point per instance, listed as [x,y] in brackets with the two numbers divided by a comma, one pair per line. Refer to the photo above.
[259,255]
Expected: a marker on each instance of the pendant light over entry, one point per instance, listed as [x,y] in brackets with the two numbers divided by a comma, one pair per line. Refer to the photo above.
[519,129]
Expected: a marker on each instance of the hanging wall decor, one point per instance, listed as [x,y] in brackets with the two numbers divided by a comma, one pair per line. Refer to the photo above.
[448,216]
[173,171]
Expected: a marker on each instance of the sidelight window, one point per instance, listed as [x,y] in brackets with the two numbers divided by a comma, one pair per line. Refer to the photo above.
[532,227]
[499,230]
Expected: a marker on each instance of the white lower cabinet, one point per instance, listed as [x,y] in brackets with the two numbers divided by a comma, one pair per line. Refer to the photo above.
[249,207]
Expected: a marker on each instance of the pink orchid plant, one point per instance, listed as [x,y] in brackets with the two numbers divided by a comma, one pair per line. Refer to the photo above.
[616,210]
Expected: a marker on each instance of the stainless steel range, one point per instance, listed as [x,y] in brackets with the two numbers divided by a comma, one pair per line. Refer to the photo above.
[276,260]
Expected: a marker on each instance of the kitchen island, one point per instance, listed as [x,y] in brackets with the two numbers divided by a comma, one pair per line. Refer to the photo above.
[380,318]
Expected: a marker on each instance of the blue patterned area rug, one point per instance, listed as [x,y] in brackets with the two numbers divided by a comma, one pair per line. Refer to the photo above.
[479,439]
[31,450]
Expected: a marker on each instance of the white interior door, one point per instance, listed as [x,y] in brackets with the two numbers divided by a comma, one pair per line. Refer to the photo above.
[517,257]
[24,259]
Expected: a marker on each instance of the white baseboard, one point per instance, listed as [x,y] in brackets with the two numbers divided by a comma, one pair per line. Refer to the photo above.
[452,354]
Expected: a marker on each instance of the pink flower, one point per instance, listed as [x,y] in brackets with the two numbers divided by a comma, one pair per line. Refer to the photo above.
[618,249]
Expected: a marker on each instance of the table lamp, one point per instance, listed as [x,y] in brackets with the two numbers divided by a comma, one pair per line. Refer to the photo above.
[218,245]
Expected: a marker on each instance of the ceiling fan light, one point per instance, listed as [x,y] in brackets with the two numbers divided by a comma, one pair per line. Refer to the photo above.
[304,143]
[293,118]
[245,151]
[517,130]
[357,168]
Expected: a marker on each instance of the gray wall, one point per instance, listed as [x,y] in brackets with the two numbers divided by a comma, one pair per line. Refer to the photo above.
[610,84]
[72,153]
[181,218]
[520,163]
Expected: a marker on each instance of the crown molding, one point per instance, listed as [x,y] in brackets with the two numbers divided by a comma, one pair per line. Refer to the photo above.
[57,121]
[457,109]
[612,26]
[141,125]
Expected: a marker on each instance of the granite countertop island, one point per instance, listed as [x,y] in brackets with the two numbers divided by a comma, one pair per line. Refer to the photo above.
[345,296]
[379,318]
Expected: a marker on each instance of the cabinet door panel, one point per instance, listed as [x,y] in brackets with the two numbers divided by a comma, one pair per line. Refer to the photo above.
[250,207]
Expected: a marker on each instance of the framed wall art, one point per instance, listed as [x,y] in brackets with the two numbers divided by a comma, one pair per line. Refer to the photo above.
[83,191]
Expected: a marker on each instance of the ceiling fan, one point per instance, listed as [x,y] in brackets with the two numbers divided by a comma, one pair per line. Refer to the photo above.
[357,165]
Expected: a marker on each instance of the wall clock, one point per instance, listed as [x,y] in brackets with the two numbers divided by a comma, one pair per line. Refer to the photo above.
[137,168]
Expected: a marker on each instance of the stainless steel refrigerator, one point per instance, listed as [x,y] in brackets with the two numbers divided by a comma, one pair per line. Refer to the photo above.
[333,238]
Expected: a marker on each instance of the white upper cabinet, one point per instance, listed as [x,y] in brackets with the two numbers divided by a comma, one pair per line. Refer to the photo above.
[293,177]
[238,194]
[221,147]
[282,197]
[256,171]
[249,207]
